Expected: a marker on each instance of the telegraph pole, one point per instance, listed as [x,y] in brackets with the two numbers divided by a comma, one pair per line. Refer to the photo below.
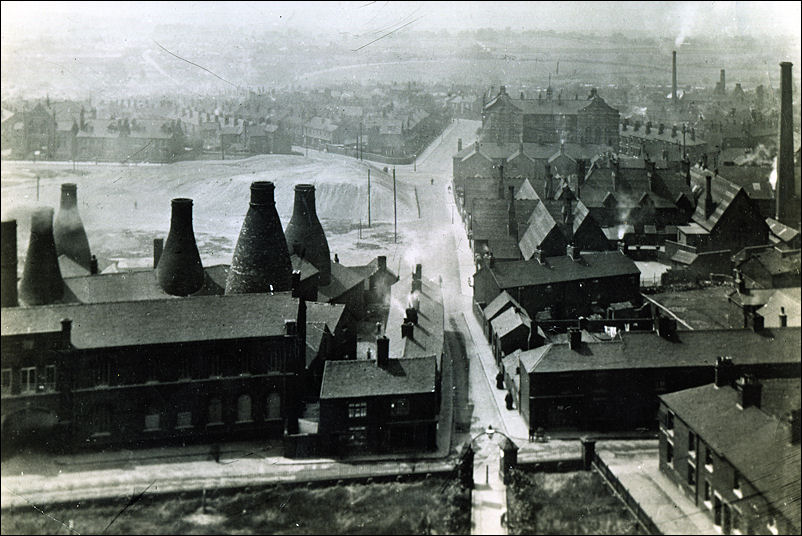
[395,213]
[368,197]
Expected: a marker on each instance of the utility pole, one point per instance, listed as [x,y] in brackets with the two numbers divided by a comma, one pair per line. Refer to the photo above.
[395,213]
[368,197]
[359,145]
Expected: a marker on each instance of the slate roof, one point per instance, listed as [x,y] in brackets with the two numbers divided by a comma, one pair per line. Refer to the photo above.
[753,179]
[489,219]
[787,299]
[343,279]
[307,268]
[631,184]
[315,331]
[498,303]
[526,191]
[534,151]
[162,321]
[510,320]
[540,225]
[370,269]
[774,261]
[362,378]
[723,192]
[783,232]
[427,337]
[698,348]
[504,248]
[593,265]
[654,135]
[751,440]
[145,128]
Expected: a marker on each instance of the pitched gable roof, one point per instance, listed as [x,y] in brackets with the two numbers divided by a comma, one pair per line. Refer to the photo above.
[363,378]
[540,226]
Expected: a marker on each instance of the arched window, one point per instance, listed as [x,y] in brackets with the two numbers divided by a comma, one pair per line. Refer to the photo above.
[215,411]
[244,409]
[273,410]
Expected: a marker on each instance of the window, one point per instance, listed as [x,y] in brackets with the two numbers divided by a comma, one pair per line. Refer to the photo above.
[100,421]
[7,380]
[244,409]
[28,379]
[709,459]
[736,485]
[152,418]
[184,369]
[357,409]
[708,494]
[27,344]
[357,435]
[273,410]
[101,372]
[691,474]
[399,407]
[669,452]
[244,364]
[215,368]
[669,422]
[50,378]
[691,444]
[183,420]
[152,370]
[215,411]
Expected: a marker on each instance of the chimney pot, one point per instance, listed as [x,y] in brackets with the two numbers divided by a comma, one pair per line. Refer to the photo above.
[407,330]
[93,269]
[749,391]
[573,252]
[382,351]
[418,272]
[412,315]
[724,371]
[783,318]
[574,339]
[622,247]
[8,287]
[417,285]
[538,255]
[382,262]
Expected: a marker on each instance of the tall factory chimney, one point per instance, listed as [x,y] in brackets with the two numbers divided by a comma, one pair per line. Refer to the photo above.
[674,77]
[68,230]
[785,159]
[305,235]
[261,262]
[723,82]
[41,278]
[180,271]
[8,260]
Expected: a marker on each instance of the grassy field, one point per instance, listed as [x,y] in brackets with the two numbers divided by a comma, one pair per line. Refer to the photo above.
[566,503]
[383,508]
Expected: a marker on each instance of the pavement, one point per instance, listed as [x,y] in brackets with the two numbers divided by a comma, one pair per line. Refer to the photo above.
[637,468]
[489,495]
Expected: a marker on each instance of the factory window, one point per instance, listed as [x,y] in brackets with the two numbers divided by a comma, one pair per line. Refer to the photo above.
[184,368]
[273,410]
[101,371]
[101,420]
[50,378]
[183,420]
[215,411]
[709,459]
[691,474]
[215,366]
[244,413]
[399,407]
[708,494]
[152,418]
[691,444]
[6,380]
[669,453]
[357,409]
[28,379]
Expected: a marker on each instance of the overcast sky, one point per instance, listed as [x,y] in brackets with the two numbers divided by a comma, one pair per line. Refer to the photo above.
[665,19]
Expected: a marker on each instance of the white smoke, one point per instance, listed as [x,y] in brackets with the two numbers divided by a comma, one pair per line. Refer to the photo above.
[687,18]
[773,175]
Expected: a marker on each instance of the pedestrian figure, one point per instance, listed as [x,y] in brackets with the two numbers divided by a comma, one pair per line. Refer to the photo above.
[508,400]
[216,452]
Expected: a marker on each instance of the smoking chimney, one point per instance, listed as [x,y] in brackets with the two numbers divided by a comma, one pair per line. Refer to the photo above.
[180,271]
[382,351]
[261,260]
[785,159]
[674,77]
[8,287]
[68,230]
[305,235]
[41,277]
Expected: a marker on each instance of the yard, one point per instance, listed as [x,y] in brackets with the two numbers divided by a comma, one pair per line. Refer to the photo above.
[379,508]
[566,503]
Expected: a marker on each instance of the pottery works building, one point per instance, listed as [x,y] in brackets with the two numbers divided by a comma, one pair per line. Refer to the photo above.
[614,384]
[199,368]
[733,448]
